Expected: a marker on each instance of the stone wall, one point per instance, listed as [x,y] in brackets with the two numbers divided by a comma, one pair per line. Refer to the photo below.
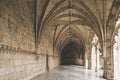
[18,60]
[20,65]
[46,49]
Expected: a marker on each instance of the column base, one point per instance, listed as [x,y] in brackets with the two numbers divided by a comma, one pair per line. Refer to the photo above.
[108,75]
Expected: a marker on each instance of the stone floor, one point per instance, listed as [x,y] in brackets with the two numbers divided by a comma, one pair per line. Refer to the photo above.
[71,72]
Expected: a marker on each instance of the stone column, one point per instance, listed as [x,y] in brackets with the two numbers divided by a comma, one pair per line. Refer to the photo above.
[96,54]
[108,70]
[89,59]
[85,58]
[108,57]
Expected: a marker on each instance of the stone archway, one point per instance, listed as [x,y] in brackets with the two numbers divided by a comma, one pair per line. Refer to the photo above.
[71,55]
[95,54]
[116,51]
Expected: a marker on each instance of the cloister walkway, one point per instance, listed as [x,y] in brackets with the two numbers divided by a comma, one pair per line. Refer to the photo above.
[70,72]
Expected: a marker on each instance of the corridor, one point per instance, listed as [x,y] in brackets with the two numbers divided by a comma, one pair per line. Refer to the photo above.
[36,36]
[71,72]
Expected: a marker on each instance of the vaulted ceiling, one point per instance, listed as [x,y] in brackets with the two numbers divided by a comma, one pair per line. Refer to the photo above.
[69,20]
[84,17]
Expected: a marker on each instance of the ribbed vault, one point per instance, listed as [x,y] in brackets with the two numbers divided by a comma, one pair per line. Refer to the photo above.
[67,21]
[85,12]
[39,34]
[70,21]
[87,17]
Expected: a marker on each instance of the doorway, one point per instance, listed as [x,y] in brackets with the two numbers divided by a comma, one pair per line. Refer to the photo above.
[47,62]
[71,55]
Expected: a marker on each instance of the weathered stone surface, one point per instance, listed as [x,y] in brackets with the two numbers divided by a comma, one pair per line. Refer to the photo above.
[17,45]
[34,33]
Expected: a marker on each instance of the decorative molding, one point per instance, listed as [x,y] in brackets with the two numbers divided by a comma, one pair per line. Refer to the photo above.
[110,46]
[14,49]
